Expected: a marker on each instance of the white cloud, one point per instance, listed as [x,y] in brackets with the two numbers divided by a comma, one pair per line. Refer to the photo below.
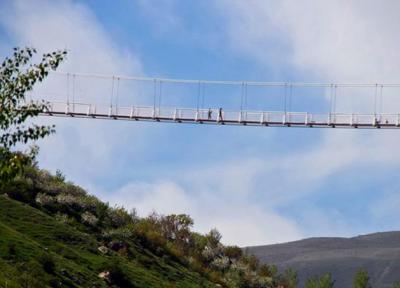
[88,150]
[239,221]
[50,25]
[345,41]
[335,40]
[325,40]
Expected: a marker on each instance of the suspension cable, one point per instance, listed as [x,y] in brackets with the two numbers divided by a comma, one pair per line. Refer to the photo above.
[245,96]
[334,99]
[117,96]
[160,95]
[203,94]
[67,89]
[198,95]
[284,100]
[73,93]
[290,96]
[155,94]
[241,97]
[331,99]
[375,98]
[112,93]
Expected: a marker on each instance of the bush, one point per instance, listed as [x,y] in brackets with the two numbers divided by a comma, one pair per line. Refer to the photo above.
[323,282]
[119,217]
[361,279]
[11,252]
[48,263]
[117,276]
[233,252]
[290,278]
[89,219]
[21,189]
[44,199]
[123,233]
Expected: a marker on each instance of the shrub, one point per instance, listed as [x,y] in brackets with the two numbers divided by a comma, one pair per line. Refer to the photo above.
[265,271]
[123,233]
[119,217]
[221,263]
[89,219]
[322,282]
[361,279]
[44,199]
[11,252]
[64,218]
[396,284]
[213,237]
[233,252]
[21,189]
[48,263]
[116,276]
[290,278]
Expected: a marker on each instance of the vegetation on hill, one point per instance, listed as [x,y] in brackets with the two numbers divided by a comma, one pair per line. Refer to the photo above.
[55,234]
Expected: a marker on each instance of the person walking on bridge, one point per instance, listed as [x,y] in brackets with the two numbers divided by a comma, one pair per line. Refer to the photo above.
[209,114]
[220,118]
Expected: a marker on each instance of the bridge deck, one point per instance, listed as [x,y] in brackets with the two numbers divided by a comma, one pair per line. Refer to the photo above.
[213,116]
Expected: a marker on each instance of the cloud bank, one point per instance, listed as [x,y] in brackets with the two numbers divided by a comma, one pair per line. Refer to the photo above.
[264,189]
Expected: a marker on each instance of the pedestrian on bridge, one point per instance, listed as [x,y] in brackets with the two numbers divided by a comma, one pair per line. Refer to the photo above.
[220,115]
[209,113]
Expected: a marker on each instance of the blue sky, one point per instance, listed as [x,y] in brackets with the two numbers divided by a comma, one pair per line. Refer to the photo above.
[256,185]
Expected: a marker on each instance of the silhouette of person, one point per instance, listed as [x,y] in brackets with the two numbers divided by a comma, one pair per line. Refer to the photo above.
[220,114]
[209,114]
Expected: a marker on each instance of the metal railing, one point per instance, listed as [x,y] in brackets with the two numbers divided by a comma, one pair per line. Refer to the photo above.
[217,116]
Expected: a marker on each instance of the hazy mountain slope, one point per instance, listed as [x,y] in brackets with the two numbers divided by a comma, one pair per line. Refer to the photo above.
[378,253]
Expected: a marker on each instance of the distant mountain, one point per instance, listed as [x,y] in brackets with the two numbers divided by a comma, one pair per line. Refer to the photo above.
[378,253]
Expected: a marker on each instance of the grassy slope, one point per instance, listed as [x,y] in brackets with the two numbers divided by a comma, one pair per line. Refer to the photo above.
[77,260]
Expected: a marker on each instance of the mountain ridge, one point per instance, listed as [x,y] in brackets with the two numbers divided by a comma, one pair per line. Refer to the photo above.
[378,253]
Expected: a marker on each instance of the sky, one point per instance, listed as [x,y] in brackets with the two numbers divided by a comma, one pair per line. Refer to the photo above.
[255,185]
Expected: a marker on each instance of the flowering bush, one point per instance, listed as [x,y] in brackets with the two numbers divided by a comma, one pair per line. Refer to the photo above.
[89,218]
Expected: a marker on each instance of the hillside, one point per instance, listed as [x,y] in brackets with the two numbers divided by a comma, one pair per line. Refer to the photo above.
[36,240]
[378,253]
[55,234]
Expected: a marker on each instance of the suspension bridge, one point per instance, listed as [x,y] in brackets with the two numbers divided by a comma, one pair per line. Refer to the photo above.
[279,104]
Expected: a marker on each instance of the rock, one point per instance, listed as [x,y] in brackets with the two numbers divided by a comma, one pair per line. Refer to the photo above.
[103,249]
[105,275]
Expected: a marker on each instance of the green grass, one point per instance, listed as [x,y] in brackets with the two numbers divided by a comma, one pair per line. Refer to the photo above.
[28,237]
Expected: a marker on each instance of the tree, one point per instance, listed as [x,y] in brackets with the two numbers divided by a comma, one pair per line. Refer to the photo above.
[396,284]
[213,237]
[290,278]
[233,252]
[18,75]
[322,282]
[361,279]
[176,228]
[326,281]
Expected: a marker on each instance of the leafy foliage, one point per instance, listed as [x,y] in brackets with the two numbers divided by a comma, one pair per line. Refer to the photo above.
[17,77]
[322,282]
[361,279]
